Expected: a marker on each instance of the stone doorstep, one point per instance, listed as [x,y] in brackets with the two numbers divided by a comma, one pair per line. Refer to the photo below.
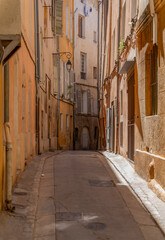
[140,187]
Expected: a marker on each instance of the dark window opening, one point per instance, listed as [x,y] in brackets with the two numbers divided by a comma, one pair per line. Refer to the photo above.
[76,134]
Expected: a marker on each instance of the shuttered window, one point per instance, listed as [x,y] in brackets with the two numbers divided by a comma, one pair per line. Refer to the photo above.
[151,81]
[123,20]
[121,102]
[83,65]
[71,28]
[81,26]
[121,134]
[89,101]
[61,122]
[79,101]
[67,21]
[58,17]
[154,79]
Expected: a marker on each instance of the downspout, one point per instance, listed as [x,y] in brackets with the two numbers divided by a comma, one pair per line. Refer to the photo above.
[98,61]
[101,57]
[8,167]
[118,82]
[58,99]
[37,73]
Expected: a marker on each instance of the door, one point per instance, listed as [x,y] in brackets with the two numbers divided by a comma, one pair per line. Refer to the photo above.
[85,138]
[131,116]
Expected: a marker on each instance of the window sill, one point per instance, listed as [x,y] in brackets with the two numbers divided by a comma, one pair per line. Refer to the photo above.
[81,37]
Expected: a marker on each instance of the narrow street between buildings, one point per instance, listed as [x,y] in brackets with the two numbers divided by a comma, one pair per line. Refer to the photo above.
[75,195]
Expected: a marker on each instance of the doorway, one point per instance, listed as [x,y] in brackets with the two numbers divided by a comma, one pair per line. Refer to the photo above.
[85,138]
[131,116]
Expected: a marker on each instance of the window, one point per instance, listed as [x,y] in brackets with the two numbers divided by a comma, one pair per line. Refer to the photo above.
[67,122]
[96,133]
[123,21]
[152,81]
[71,28]
[95,72]
[85,103]
[61,122]
[42,124]
[81,26]
[76,134]
[67,21]
[121,102]
[94,37]
[83,65]
[113,50]
[121,134]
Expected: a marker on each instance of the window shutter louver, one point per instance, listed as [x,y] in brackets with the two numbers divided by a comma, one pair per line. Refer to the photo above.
[58,17]
[89,101]
[79,101]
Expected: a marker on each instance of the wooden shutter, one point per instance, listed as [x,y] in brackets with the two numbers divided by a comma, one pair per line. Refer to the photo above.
[58,17]
[89,101]
[79,101]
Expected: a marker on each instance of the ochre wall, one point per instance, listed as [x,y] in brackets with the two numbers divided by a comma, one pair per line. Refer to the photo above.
[1,134]
[22,99]
[66,135]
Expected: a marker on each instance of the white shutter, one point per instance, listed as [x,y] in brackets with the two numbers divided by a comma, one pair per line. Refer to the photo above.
[58,17]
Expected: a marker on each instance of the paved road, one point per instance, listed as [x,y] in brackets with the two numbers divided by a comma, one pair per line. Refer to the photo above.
[75,195]
[91,202]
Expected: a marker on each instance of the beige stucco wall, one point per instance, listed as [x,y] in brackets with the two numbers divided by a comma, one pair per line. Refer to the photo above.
[86,45]
[48,103]
[150,135]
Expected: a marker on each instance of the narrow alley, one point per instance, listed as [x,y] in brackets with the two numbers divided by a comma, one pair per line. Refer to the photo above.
[75,195]
[82,120]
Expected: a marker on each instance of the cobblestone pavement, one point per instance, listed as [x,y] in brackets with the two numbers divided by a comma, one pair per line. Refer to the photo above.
[76,195]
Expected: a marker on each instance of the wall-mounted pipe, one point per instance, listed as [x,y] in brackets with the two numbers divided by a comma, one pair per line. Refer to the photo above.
[37,73]
[118,82]
[8,167]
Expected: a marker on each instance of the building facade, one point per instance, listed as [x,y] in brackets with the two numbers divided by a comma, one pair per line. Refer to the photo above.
[85,64]
[133,86]
[47,101]
[65,77]
[18,87]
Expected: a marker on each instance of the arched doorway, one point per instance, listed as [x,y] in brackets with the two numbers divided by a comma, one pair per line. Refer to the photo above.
[85,138]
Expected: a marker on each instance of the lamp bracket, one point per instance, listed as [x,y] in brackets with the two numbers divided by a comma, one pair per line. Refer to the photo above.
[68,54]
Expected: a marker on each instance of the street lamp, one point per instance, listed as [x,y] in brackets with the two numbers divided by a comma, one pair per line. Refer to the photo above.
[68,65]
[68,56]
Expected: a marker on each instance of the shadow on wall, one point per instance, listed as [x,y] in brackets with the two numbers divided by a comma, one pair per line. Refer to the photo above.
[161,27]
[137,110]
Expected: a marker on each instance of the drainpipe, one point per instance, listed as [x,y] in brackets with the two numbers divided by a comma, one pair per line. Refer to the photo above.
[58,99]
[118,83]
[8,167]
[37,73]
[98,61]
